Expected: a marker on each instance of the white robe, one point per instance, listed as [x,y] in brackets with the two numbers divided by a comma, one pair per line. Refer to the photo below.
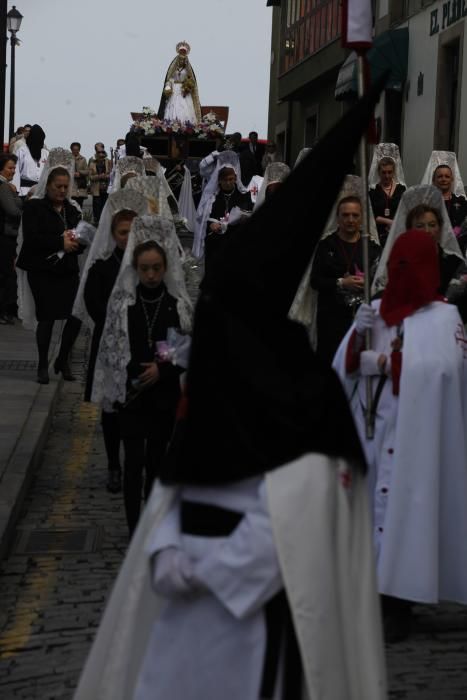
[306,526]
[418,457]
[178,107]
[28,168]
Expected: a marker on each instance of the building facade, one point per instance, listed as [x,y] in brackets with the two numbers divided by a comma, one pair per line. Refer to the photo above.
[313,79]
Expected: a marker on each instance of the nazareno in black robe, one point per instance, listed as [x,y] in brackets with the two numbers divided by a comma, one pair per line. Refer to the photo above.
[257,396]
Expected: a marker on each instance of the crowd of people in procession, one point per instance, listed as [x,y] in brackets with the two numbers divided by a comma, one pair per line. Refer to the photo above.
[133,291]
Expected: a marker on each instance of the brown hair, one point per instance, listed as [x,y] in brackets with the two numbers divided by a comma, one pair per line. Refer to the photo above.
[438,167]
[123,215]
[225,172]
[351,199]
[144,248]
[387,160]
[418,211]
[57,172]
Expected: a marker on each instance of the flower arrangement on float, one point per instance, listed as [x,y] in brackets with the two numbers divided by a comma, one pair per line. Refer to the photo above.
[150,124]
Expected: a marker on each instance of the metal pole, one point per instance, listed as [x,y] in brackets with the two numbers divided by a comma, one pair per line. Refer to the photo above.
[12,85]
[3,45]
[370,428]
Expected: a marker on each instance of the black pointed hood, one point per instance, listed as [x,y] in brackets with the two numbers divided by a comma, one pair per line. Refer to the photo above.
[257,396]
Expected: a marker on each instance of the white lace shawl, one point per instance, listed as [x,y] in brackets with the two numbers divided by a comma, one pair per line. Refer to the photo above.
[412,197]
[154,189]
[225,159]
[114,351]
[103,243]
[186,205]
[444,158]
[275,172]
[386,150]
[123,166]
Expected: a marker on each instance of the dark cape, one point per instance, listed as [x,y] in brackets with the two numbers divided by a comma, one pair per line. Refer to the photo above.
[257,396]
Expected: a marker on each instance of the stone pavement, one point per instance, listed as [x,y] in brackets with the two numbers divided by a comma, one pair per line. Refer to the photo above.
[70,541]
[25,409]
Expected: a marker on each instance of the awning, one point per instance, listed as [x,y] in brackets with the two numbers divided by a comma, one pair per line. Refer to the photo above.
[390,50]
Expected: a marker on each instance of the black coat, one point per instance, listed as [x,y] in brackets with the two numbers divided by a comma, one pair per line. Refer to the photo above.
[99,284]
[53,280]
[43,231]
[139,417]
[336,309]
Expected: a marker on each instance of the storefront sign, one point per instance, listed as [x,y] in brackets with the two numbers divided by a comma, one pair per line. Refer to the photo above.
[449,13]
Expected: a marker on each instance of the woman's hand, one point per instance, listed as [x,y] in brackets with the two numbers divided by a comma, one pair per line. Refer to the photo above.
[215,227]
[69,242]
[150,375]
[352,283]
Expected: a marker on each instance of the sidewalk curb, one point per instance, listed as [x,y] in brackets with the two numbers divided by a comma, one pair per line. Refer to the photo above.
[24,460]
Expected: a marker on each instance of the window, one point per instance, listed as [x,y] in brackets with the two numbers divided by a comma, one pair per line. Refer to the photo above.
[309,25]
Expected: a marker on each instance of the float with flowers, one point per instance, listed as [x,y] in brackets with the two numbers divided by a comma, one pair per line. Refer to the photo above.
[167,138]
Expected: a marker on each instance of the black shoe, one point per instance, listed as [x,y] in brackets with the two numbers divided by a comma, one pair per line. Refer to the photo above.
[114,481]
[65,369]
[43,375]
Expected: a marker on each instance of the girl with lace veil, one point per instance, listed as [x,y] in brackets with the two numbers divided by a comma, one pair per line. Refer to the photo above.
[225,159]
[429,197]
[48,263]
[305,305]
[97,281]
[387,185]
[180,98]
[138,364]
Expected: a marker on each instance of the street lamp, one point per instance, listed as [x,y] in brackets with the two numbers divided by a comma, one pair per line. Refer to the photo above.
[13,19]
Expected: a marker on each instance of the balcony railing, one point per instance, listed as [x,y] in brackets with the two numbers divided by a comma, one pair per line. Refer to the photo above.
[309,25]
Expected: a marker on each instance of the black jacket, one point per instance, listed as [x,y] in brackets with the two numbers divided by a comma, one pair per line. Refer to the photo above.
[43,231]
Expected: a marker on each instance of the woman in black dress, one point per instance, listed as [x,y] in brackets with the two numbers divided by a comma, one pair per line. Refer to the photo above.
[49,254]
[147,417]
[134,372]
[98,287]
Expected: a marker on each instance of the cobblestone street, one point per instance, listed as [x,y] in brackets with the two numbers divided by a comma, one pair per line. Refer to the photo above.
[52,602]
[71,540]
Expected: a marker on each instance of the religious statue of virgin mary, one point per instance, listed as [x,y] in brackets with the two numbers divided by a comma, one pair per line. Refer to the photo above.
[180,99]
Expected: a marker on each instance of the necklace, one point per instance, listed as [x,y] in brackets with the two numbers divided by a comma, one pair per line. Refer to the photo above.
[388,192]
[151,322]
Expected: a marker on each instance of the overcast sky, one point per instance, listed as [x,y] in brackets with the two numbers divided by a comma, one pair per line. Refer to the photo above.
[84,65]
